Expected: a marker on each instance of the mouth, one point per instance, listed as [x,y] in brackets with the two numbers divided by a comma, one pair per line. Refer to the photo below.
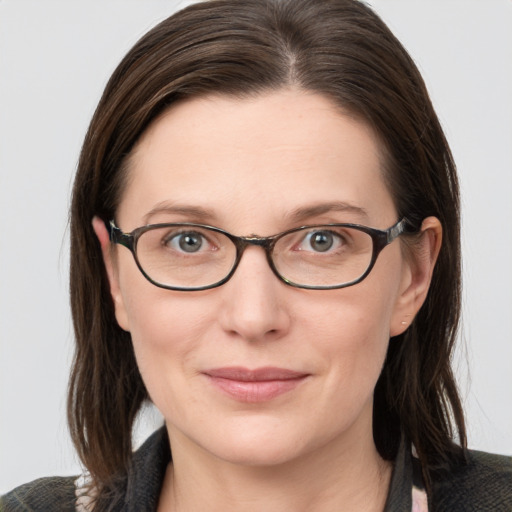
[253,386]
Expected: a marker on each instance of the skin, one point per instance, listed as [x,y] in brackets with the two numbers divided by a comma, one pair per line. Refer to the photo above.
[249,165]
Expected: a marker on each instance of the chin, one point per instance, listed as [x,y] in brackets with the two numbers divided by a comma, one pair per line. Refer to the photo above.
[247,441]
[265,441]
[259,453]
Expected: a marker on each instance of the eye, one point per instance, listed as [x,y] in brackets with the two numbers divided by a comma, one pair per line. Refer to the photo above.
[321,241]
[190,241]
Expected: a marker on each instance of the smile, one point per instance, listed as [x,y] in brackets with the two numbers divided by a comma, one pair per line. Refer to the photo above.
[253,386]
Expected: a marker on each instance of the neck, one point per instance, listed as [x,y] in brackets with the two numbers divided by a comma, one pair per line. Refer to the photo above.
[341,477]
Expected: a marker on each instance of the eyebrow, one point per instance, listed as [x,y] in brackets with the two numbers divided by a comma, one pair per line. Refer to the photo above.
[294,216]
[303,213]
[197,212]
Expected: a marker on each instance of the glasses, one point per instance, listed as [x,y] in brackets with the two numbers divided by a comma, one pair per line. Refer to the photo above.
[191,257]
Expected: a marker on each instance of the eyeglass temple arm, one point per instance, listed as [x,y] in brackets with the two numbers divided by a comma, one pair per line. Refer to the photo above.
[399,228]
[117,236]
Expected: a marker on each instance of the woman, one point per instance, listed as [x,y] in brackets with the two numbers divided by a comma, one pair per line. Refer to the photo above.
[289,290]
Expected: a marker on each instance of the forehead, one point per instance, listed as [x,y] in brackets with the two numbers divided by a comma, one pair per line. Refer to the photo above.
[256,158]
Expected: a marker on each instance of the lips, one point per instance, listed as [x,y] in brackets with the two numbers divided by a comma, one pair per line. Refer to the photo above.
[253,386]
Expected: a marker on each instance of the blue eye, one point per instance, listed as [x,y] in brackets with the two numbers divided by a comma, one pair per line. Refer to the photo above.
[321,241]
[187,242]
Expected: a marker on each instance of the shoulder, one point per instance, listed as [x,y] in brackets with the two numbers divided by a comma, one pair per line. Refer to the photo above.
[52,493]
[483,484]
[139,486]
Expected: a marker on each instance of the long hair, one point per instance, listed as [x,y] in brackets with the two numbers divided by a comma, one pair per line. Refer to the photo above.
[340,49]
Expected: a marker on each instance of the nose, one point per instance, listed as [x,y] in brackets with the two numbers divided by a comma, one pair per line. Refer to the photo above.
[253,305]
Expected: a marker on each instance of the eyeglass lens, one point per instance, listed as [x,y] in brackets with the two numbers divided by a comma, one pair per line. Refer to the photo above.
[194,257]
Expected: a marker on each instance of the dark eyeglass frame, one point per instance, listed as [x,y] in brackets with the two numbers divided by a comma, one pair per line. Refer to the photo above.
[380,238]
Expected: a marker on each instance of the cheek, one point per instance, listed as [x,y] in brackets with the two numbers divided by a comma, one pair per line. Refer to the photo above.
[354,342]
[351,332]
[166,331]
[357,316]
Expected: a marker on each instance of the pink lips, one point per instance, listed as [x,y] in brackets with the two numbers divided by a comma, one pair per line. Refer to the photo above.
[254,386]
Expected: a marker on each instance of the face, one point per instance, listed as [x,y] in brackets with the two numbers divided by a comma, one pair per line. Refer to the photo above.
[255,371]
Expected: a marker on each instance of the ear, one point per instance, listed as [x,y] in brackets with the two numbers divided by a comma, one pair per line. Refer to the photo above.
[417,275]
[101,232]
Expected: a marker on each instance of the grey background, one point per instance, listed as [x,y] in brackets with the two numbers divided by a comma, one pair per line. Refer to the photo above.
[55,58]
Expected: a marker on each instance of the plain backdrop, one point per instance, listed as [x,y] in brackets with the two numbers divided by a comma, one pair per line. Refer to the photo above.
[55,58]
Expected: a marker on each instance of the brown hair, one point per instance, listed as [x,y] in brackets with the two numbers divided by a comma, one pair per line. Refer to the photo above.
[342,50]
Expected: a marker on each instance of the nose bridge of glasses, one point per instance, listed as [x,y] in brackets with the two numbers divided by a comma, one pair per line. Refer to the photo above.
[256,240]
[243,242]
